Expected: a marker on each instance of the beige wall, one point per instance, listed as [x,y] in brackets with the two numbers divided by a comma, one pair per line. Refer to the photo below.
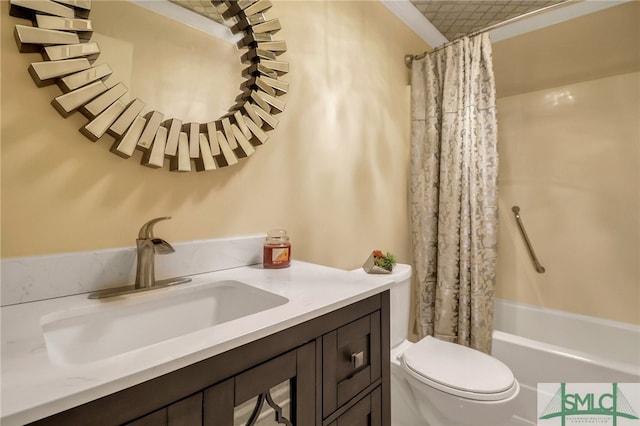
[589,47]
[333,173]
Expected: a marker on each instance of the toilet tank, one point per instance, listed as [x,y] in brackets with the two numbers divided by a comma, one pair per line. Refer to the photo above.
[400,302]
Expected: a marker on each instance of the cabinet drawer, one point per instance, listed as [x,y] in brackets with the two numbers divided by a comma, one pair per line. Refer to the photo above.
[350,361]
[366,412]
[185,412]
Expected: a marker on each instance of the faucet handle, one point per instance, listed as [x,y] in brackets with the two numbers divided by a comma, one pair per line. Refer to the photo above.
[146,232]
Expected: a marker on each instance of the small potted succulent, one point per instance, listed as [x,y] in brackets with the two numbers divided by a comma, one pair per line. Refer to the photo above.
[379,263]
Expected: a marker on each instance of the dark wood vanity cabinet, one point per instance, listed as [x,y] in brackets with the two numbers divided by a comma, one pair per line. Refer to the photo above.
[351,361]
[215,405]
[334,370]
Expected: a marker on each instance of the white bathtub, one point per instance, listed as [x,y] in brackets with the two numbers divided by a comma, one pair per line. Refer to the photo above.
[549,346]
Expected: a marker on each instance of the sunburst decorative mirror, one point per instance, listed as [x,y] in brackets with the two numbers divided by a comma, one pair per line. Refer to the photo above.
[61,31]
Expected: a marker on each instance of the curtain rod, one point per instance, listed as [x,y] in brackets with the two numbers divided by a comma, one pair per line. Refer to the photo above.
[408,58]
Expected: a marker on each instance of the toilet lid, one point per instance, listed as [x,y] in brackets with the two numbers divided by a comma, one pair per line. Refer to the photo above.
[459,370]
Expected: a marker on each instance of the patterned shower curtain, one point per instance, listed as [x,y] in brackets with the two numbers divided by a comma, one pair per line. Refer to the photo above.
[454,192]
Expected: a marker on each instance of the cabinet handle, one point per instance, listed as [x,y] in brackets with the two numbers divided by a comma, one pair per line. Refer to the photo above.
[357,359]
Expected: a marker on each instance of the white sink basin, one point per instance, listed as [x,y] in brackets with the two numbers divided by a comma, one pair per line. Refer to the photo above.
[108,328]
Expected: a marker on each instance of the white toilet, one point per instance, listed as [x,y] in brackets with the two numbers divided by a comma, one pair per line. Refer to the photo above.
[439,383]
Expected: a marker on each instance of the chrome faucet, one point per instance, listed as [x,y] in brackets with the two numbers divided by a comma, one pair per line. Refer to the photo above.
[147,247]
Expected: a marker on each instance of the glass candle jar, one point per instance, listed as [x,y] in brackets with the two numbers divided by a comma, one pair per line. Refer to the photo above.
[277,250]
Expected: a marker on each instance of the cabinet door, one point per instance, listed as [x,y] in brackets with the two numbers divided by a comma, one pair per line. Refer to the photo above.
[186,412]
[293,371]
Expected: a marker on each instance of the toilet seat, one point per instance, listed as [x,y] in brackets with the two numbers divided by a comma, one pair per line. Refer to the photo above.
[459,370]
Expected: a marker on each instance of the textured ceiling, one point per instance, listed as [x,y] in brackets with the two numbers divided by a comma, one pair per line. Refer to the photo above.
[453,18]
[204,8]
[456,18]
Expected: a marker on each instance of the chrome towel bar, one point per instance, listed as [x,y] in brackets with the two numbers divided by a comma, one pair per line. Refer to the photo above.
[536,263]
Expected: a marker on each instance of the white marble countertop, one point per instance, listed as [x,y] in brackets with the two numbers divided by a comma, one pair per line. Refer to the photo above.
[34,387]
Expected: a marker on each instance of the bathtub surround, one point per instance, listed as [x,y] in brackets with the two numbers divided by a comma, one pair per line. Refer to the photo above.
[569,146]
[453,191]
[571,160]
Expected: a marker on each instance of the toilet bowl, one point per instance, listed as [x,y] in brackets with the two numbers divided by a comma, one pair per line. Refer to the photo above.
[439,383]
[456,385]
